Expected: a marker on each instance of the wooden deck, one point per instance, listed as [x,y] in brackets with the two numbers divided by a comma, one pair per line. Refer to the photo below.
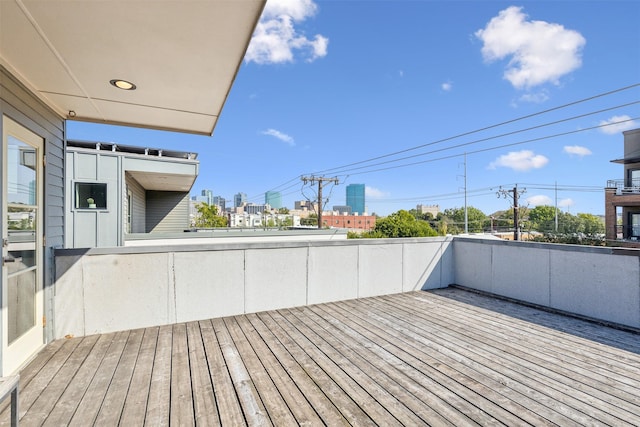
[444,357]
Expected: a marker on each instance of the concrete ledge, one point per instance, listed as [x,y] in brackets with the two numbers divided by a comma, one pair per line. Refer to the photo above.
[596,282]
[108,289]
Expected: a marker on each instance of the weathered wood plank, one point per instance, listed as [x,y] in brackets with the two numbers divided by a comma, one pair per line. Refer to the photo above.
[371,398]
[46,401]
[135,404]
[70,399]
[576,338]
[113,403]
[159,400]
[93,398]
[447,371]
[181,393]
[338,395]
[254,411]
[41,381]
[445,357]
[28,373]
[322,405]
[296,403]
[276,407]
[532,376]
[576,378]
[389,373]
[204,402]
[601,377]
[227,402]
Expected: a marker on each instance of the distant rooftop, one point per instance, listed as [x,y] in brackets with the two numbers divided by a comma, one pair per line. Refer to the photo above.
[115,147]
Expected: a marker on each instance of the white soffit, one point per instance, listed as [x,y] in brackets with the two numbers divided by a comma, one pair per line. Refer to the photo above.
[164,181]
[183,56]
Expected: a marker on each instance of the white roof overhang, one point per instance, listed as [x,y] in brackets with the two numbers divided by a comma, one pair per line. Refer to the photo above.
[182,56]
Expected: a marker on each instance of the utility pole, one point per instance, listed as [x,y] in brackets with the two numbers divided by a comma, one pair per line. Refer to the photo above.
[321,183]
[515,194]
[556,215]
[466,214]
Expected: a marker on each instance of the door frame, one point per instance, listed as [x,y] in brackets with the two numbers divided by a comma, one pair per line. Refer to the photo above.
[23,348]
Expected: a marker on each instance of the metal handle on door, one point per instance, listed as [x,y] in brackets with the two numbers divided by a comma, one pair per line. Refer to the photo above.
[11,259]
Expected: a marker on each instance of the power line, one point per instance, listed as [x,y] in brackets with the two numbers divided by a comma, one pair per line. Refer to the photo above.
[484,128]
[343,169]
[490,138]
[491,148]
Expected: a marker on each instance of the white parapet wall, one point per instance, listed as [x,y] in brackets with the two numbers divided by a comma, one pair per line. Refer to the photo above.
[596,282]
[109,289]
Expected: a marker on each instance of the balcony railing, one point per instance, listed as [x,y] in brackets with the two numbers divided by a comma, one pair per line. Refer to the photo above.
[624,187]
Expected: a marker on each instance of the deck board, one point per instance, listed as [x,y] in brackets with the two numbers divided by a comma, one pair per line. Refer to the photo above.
[442,357]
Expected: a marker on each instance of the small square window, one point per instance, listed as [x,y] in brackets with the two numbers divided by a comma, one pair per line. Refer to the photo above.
[90,195]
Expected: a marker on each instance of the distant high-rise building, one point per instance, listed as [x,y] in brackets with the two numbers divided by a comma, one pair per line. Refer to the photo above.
[239,199]
[355,198]
[220,202]
[208,196]
[273,199]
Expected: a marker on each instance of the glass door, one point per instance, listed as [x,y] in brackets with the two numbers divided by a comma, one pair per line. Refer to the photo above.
[22,300]
[634,221]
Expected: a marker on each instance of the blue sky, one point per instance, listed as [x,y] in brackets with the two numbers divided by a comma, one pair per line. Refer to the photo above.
[328,85]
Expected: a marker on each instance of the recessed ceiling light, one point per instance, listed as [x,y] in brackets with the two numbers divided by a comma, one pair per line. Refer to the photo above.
[123,84]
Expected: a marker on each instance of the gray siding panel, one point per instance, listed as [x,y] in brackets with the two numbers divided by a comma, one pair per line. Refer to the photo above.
[138,220]
[167,211]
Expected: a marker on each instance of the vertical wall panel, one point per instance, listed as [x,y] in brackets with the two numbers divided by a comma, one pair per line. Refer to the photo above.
[167,211]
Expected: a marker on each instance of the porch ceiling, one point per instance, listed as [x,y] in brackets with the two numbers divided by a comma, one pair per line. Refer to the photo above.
[182,56]
[163,181]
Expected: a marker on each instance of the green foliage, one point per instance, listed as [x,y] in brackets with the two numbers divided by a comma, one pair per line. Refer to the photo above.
[283,211]
[312,219]
[542,219]
[208,217]
[476,220]
[399,224]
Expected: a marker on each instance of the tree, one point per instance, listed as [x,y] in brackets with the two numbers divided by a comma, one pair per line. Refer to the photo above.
[592,224]
[476,220]
[283,211]
[400,224]
[542,218]
[312,219]
[209,217]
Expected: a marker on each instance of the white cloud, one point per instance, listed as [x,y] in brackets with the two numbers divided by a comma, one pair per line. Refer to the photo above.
[577,150]
[374,193]
[612,129]
[520,161]
[565,203]
[538,51]
[540,200]
[276,37]
[281,136]
[535,97]
[447,86]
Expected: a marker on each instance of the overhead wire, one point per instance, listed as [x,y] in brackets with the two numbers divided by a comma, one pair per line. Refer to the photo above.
[347,169]
[485,128]
[494,137]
